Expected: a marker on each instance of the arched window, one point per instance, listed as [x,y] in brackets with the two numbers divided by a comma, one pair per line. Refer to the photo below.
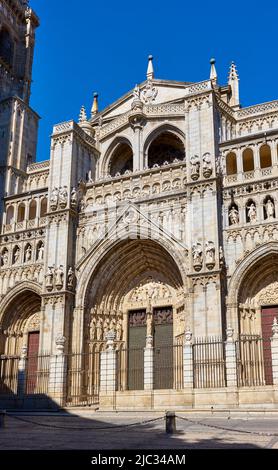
[248,160]
[10,215]
[251,211]
[231,164]
[43,206]
[269,208]
[21,212]
[122,160]
[33,210]
[6,47]
[166,148]
[265,156]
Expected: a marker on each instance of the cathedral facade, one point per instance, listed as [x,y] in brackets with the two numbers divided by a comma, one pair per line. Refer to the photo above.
[140,260]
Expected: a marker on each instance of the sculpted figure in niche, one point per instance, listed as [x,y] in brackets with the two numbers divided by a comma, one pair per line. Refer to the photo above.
[99,329]
[41,252]
[197,253]
[106,326]
[233,215]
[93,329]
[195,167]
[207,166]
[28,254]
[63,196]
[252,212]
[210,255]
[73,197]
[70,277]
[269,209]
[49,278]
[119,330]
[5,257]
[54,198]
[16,255]
[59,274]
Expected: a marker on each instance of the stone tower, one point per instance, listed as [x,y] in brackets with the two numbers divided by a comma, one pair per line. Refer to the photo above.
[18,122]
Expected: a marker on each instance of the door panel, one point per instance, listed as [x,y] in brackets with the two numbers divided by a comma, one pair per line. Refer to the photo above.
[163,348]
[267,317]
[32,361]
[136,345]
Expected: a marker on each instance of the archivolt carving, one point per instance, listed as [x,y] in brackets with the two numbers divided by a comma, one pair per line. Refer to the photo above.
[269,295]
[33,324]
[151,290]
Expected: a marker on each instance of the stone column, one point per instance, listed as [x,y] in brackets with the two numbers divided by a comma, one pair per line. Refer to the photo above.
[21,382]
[108,368]
[137,121]
[58,373]
[188,360]
[148,363]
[230,351]
[274,351]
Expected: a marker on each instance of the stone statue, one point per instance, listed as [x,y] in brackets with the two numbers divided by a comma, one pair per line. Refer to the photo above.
[59,276]
[90,178]
[269,209]
[221,256]
[16,255]
[197,254]
[70,277]
[28,254]
[63,197]
[149,324]
[119,330]
[136,93]
[195,167]
[207,166]
[49,278]
[5,257]
[93,329]
[41,252]
[252,212]
[210,255]
[233,215]
[99,329]
[54,198]
[106,326]
[73,197]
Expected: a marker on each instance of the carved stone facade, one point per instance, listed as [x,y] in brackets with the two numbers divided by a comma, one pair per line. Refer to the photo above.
[167,199]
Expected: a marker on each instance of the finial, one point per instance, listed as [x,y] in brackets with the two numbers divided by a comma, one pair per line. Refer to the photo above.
[233,81]
[233,75]
[82,114]
[150,71]
[94,110]
[213,73]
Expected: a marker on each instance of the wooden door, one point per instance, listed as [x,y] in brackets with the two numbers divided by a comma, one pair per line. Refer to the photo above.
[136,344]
[32,361]
[163,348]
[267,317]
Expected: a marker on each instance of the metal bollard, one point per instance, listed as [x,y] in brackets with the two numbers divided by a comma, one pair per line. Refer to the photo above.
[170,422]
[2,419]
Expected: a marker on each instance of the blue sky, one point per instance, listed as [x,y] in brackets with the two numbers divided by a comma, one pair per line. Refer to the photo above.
[88,46]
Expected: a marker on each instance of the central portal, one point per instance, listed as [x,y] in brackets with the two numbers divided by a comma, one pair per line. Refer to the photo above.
[162,329]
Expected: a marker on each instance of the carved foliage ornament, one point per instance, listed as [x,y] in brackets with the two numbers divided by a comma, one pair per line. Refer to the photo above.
[149,94]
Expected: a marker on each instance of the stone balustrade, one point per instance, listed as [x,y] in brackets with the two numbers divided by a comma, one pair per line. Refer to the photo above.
[142,185]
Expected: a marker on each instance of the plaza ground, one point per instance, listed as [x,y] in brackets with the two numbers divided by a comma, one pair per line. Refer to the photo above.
[80,429]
